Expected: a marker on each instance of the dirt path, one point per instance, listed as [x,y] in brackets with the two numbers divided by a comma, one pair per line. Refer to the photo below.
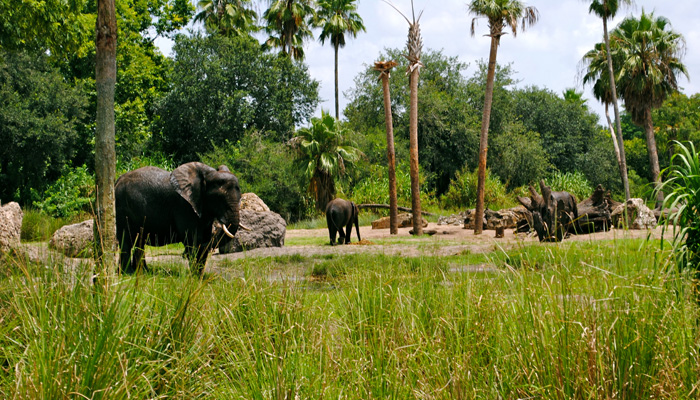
[449,240]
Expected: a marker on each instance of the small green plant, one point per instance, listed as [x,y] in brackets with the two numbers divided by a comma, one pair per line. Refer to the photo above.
[682,189]
[37,226]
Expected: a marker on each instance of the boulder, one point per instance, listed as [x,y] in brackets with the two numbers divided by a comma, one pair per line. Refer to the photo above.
[74,240]
[506,218]
[267,229]
[251,201]
[639,216]
[405,220]
[10,226]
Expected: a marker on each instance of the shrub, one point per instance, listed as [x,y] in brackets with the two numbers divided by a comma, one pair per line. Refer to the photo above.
[519,164]
[70,195]
[462,192]
[572,182]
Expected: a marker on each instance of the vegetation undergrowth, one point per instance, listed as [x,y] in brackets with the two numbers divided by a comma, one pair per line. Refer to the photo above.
[570,320]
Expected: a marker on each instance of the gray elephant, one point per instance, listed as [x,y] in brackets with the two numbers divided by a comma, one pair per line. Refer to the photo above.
[156,207]
[342,213]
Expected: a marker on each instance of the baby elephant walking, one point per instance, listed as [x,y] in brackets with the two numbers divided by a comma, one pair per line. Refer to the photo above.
[342,213]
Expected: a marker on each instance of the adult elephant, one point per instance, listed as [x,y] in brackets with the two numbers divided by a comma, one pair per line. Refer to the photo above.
[342,213]
[156,207]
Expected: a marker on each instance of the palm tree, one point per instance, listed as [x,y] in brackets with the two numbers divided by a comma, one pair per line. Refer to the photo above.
[501,15]
[288,24]
[595,65]
[227,17]
[607,9]
[323,152]
[649,53]
[336,18]
[384,68]
[105,154]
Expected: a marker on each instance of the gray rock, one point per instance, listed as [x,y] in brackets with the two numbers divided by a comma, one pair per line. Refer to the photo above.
[507,218]
[10,226]
[251,201]
[267,229]
[404,220]
[74,240]
[638,215]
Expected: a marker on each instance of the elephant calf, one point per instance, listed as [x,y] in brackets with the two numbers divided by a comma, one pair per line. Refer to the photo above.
[342,213]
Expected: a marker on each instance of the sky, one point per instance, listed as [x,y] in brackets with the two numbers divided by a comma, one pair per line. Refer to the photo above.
[546,55]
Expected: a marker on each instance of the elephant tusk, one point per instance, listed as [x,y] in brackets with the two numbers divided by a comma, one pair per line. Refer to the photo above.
[226,231]
[245,228]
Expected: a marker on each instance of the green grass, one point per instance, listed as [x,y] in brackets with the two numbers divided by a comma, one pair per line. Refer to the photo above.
[571,320]
[38,226]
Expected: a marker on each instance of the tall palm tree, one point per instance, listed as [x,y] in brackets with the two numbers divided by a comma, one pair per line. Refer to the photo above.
[606,10]
[384,68]
[324,152]
[596,70]
[336,18]
[105,153]
[227,17]
[501,15]
[288,22]
[649,53]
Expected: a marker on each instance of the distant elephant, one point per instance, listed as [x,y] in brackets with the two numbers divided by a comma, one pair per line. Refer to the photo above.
[342,213]
[156,207]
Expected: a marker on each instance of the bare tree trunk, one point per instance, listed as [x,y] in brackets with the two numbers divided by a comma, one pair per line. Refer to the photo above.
[612,135]
[413,145]
[390,153]
[337,107]
[616,108]
[105,155]
[653,154]
[483,141]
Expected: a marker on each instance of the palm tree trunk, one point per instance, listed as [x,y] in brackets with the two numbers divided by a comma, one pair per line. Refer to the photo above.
[391,156]
[616,108]
[337,113]
[612,134]
[483,141]
[413,147]
[105,156]
[653,154]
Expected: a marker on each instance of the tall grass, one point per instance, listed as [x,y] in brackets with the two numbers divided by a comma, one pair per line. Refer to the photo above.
[562,321]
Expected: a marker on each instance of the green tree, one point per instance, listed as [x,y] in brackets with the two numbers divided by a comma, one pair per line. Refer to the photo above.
[323,153]
[523,158]
[501,15]
[650,56]
[227,17]
[288,22]
[336,18]
[222,87]
[605,89]
[39,112]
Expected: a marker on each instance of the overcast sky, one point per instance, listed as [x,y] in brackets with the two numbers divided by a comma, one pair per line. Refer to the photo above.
[545,55]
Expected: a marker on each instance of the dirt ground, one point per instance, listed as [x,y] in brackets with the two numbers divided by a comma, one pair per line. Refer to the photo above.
[449,240]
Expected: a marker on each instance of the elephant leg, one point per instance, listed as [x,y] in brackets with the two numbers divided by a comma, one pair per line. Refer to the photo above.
[331,232]
[125,256]
[348,231]
[200,260]
[341,236]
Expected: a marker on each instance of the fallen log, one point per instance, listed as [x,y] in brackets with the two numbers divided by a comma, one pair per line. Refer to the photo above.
[386,206]
[595,212]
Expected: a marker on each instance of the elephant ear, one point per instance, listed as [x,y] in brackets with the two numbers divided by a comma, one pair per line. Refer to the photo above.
[188,181]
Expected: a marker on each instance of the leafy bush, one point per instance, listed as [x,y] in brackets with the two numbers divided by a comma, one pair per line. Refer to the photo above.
[462,192]
[572,182]
[71,194]
[520,164]
[266,169]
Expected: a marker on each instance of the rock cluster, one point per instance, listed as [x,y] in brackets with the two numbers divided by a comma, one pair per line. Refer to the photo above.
[405,220]
[507,218]
[10,226]
[633,214]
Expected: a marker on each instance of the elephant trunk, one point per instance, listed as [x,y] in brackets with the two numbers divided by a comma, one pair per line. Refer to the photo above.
[231,221]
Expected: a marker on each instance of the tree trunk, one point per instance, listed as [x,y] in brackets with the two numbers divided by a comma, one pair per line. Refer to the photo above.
[613,136]
[653,154]
[337,107]
[483,141]
[413,132]
[616,108]
[391,156]
[105,155]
